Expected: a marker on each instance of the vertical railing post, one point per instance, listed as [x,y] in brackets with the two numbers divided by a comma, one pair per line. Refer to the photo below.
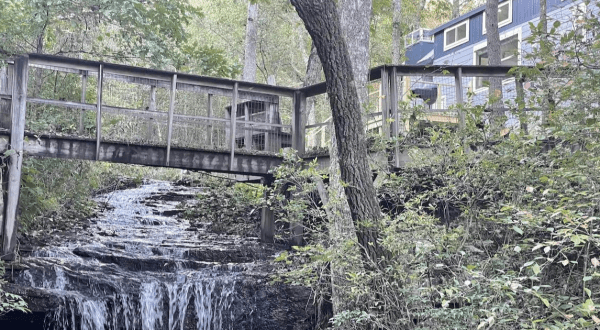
[233,117]
[384,101]
[459,96]
[6,83]
[151,107]
[247,130]
[171,111]
[15,162]
[395,116]
[209,131]
[84,79]
[99,110]
[298,125]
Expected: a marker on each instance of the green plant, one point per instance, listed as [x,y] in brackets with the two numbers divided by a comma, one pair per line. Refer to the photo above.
[8,301]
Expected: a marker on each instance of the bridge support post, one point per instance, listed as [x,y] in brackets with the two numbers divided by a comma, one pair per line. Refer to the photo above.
[298,124]
[267,217]
[15,161]
[384,101]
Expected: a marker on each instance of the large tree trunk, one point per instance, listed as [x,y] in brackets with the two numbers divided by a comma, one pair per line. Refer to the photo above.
[323,24]
[249,73]
[397,36]
[494,59]
[455,8]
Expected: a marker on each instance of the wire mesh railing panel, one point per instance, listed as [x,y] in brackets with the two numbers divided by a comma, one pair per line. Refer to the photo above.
[318,113]
[56,120]
[56,83]
[259,127]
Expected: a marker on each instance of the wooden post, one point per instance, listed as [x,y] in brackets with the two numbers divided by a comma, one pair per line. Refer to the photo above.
[99,110]
[384,101]
[6,83]
[395,117]
[233,116]
[459,96]
[209,132]
[267,217]
[247,131]
[151,107]
[298,126]
[15,162]
[84,79]
[171,111]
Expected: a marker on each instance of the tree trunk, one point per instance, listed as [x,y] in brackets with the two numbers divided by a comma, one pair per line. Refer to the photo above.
[494,59]
[548,102]
[323,24]
[455,8]
[397,36]
[249,73]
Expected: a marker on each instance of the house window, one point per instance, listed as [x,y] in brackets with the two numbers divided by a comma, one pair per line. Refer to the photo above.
[456,35]
[504,14]
[509,50]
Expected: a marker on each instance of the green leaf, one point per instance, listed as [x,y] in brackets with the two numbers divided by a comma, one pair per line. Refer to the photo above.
[518,230]
[536,269]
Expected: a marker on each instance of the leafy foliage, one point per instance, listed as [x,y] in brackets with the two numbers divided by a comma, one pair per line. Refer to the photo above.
[488,231]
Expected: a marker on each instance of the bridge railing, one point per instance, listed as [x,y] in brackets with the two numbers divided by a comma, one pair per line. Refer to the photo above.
[400,95]
[115,103]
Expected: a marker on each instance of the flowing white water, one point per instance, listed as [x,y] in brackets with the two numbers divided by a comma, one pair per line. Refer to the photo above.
[132,275]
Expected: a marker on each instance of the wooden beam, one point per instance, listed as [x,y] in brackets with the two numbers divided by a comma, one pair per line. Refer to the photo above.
[15,162]
[131,153]
[99,110]
[384,99]
[233,116]
[84,79]
[171,111]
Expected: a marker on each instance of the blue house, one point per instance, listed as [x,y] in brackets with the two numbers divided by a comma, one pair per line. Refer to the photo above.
[463,41]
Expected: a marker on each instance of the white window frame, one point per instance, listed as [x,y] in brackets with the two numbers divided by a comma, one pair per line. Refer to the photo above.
[457,42]
[506,21]
[483,44]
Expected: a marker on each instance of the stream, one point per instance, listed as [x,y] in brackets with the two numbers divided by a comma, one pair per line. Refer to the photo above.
[140,266]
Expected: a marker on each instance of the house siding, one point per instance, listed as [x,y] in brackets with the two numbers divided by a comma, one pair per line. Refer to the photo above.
[523,11]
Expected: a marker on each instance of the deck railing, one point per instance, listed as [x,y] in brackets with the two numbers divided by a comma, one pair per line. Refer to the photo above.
[116,103]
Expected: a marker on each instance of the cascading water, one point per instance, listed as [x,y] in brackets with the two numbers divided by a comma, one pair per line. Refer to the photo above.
[139,269]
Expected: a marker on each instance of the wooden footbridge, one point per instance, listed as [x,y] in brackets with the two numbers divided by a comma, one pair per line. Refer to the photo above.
[79,109]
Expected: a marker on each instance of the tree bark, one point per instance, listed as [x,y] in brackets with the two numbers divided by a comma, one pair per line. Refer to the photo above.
[323,24]
[494,59]
[397,36]
[455,8]
[249,73]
